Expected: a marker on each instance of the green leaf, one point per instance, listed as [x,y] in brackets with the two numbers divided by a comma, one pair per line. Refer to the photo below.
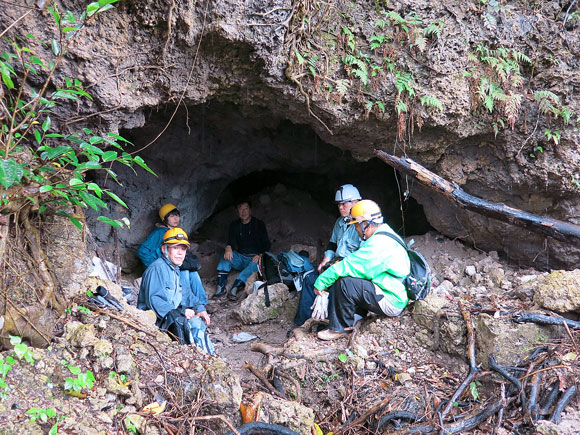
[121,138]
[45,188]
[53,430]
[109,155]
[116,198]
[111,222]
[46,124]
[74,369]
[92,8]
[53,153]
[75,222]
[38,136]
[92,149]
[342,358]
[95,188]
[75,182]
[55,46]
[11,172]
[142,163]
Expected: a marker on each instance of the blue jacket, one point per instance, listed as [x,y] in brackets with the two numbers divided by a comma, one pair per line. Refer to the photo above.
[164,287]
[344,239]
[150,249]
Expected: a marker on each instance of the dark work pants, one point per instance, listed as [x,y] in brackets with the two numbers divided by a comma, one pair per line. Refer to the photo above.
[350,296]
[307,296]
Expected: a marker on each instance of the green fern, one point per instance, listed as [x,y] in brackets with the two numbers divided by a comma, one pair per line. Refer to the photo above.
[404,82]
[547,101]
[342,86]
[434,29]
[431,101]
[380,105]
[400,107]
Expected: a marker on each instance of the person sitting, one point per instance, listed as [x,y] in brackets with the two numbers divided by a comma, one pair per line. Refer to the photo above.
[167,291]
[150,249]
[369,279]
[247,240]
[343,240]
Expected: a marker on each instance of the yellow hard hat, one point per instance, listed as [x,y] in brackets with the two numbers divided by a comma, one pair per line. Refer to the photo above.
[175,236]
[165,210]
[366,210]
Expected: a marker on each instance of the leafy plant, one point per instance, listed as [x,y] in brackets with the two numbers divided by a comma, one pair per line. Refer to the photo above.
[82,381]
[41,414]
[85,310]
[554,136]
[21,350]
[473,389]
[38,165]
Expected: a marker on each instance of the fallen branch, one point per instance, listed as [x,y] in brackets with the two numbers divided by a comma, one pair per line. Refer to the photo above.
[472,364]
[263,379]
[543,319]
[559,230]
[360,420]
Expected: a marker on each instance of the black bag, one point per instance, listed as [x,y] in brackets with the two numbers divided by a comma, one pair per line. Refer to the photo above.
[418,282]
[191,262]
[269,271]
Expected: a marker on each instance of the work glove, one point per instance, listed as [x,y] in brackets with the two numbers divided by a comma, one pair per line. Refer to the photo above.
[103,293]
[320,307]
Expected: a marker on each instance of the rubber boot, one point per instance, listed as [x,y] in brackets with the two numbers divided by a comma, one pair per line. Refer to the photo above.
[221,287]
[235,291]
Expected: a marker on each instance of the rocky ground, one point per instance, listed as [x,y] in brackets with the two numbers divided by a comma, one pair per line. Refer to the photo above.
[413,363]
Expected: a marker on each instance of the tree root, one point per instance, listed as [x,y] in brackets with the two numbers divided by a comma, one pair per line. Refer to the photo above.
[543,319]
[556,416]
[262,429]
[473,370]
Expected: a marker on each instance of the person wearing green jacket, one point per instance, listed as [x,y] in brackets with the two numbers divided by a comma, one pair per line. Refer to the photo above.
[369,279]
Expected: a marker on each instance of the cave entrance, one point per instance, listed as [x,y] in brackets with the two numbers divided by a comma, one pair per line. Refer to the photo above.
[211,154]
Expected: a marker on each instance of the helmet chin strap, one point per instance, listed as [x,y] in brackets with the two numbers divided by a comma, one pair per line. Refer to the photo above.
[364,229]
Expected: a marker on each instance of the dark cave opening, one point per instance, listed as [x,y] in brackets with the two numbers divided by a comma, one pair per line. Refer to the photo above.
[212,153]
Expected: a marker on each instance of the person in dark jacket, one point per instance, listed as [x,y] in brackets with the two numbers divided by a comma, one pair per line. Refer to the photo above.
[150,249]
[166,289]
[247,240]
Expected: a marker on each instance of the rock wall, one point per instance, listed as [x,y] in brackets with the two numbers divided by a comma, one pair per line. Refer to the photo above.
[289,60]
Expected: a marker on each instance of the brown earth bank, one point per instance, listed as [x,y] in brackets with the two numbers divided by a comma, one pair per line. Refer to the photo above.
[483,93]
[409,365]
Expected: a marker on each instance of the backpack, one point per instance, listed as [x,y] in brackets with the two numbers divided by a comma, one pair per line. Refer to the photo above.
[418,282]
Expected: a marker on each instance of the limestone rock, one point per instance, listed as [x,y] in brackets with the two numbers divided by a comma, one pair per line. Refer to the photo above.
[253,309]
[559,291]
[507,341]
[287,413]
[80,335]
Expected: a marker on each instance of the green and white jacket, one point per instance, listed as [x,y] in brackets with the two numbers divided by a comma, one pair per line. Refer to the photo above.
[379,259]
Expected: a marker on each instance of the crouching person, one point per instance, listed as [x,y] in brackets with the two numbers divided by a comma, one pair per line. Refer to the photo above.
[167,291]
[369,279]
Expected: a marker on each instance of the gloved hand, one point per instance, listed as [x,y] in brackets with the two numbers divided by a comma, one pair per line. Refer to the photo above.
[320,307]
[109,298]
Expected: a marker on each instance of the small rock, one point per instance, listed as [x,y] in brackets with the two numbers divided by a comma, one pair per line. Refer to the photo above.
[470,270]
[125,363]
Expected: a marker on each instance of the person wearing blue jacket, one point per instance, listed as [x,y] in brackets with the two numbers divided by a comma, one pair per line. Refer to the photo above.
[150,249]
[167,290]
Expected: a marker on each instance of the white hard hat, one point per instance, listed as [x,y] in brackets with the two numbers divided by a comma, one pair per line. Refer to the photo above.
[347,192]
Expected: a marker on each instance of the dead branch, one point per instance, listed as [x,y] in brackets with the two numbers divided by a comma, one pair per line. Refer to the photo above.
[120,319]
[263,379]
[266,349]
[294,382]
[360,420]
[472,364]
[559,230]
